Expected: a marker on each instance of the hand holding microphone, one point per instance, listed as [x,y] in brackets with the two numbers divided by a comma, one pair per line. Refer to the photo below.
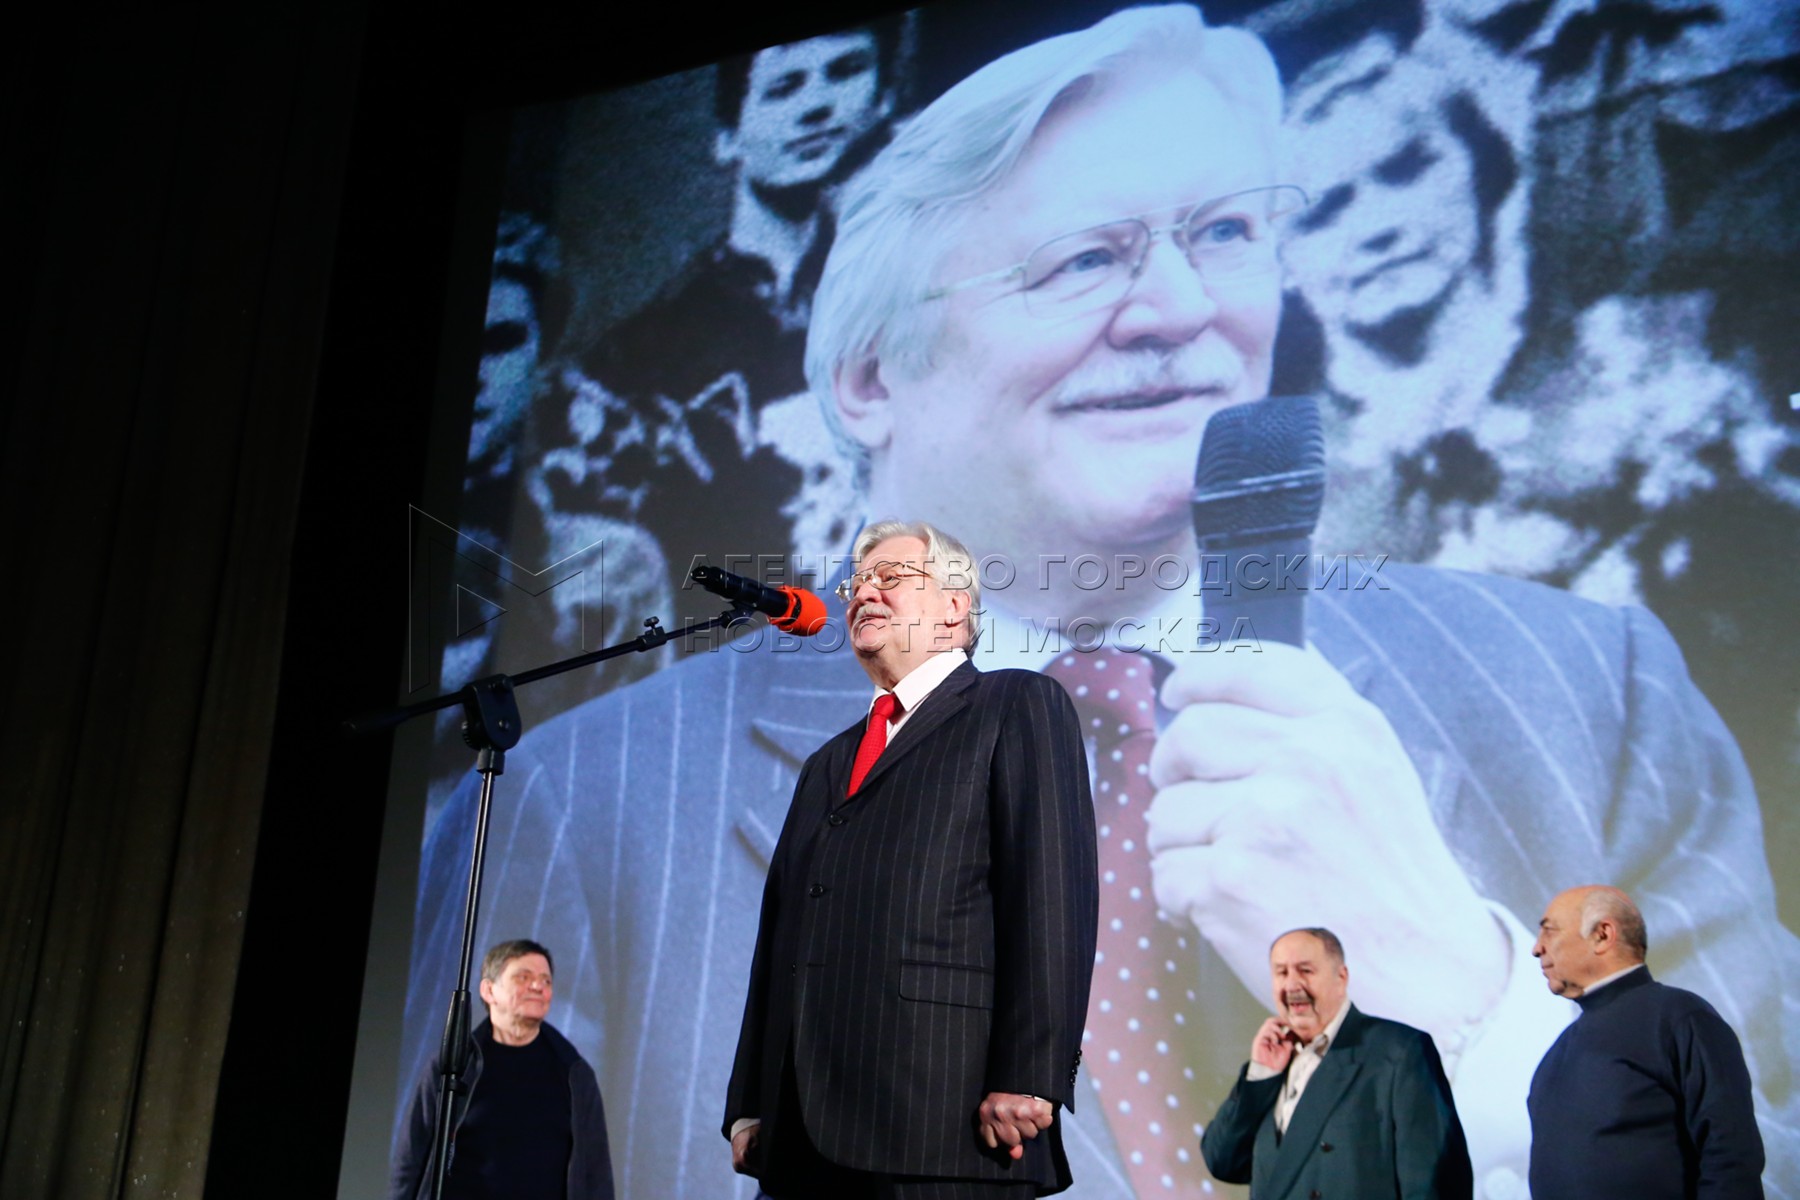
[1285,797]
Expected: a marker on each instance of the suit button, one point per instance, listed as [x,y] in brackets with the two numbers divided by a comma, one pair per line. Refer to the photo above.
[816,890]
[1325,1146]
[834,820]
[1315,1194]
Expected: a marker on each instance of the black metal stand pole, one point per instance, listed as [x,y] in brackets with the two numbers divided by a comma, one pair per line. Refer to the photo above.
[491,727]
[453,1052]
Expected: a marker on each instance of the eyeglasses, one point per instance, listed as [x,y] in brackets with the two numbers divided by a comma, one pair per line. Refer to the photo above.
[1232,237]
[885,575]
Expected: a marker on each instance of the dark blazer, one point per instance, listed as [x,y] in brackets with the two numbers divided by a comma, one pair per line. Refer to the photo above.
[930,939]
[1559,741]
[1375,1120]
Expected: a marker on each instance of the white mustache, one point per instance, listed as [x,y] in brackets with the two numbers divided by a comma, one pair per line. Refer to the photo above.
[1142,372]
[870,609]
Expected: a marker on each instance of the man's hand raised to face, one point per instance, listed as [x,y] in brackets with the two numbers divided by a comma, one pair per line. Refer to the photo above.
[1274,1045]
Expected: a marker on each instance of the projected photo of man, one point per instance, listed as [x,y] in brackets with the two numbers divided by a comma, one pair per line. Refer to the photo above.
[507,380]
[504,518]
[689,417]
[513,345]
[1038,295]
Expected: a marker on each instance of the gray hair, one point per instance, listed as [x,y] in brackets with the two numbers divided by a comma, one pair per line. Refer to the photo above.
[1611,904]
[948,560]
[901,216]
[1334,949]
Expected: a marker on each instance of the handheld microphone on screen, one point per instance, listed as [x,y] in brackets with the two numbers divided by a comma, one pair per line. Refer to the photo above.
[1257,493]
[794,610]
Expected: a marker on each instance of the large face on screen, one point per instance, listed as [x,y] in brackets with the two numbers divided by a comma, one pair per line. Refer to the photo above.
[1048,430]
[805,106]
[1394,222]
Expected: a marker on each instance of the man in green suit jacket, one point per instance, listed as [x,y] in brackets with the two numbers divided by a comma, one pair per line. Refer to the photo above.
[1332,1102]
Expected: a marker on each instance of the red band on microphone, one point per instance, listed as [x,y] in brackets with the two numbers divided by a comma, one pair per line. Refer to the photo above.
[805,616]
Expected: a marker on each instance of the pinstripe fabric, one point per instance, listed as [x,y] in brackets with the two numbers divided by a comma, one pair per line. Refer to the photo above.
[1560,742]
[809,1176]
[930,939]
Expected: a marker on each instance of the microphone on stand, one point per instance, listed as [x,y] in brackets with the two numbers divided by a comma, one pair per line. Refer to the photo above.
[794,610]
[1258,489]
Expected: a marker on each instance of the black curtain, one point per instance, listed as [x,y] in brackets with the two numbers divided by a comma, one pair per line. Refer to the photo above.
[174,176]
[231,234]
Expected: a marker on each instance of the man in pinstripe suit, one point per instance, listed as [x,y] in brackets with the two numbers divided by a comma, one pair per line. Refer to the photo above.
[1049,281]
[927,932]
[1448,750]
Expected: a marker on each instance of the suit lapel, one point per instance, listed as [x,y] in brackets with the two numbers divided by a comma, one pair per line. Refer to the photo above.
[1336,1071]
[945,701]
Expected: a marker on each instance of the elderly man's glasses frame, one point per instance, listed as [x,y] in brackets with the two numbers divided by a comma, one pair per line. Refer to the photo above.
[886,577]
[1227,238]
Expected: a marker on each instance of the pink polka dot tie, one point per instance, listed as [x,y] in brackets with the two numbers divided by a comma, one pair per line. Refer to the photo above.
[1137,1010]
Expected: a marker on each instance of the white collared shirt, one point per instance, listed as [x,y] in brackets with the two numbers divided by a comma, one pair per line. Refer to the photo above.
[919,683]
[1300,1068]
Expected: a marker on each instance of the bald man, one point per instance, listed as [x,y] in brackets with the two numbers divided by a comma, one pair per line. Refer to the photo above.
[1646,1094]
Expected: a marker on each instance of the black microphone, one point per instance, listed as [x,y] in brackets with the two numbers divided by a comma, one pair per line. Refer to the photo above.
[1257,493]
[795,610]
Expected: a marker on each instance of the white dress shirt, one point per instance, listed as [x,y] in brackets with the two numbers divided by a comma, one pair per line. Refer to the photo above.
[1300,1068]
[919,683]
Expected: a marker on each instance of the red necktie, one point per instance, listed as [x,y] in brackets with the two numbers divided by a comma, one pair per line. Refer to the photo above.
[1135,1036]
[874,739]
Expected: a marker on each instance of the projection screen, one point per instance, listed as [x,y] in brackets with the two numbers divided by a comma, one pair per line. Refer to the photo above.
[1542,287]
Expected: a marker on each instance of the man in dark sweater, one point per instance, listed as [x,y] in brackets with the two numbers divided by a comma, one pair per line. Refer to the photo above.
[527,1122]
[1646,1094]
